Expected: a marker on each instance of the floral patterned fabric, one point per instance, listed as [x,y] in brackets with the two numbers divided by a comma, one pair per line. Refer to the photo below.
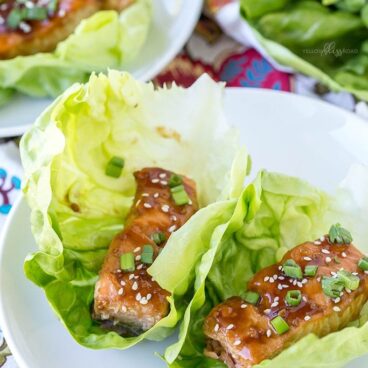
[210,51]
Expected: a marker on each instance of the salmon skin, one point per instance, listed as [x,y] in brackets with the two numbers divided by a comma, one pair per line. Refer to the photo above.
[242,335]
[132,301]
[43,35]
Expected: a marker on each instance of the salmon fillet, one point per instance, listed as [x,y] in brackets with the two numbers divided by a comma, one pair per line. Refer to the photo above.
[241,334]
[133,299]
[31,37]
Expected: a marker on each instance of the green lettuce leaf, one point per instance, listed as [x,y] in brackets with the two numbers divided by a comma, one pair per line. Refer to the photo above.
[104,40]
[77,209]
[325,40]
[272,215]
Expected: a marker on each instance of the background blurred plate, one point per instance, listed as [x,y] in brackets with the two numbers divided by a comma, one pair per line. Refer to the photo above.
[173,23]
[284,132]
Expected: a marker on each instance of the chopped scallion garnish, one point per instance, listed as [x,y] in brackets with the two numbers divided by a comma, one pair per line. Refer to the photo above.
[179,195]
[332,287]
[350,281]
[127,262]
[35,13]
[292,269]
[280,325]
[293,297]
[15,17]
[158,238]
[363,264]
[147,254]
[310,270]
[251,297]
[339,235]
[175,180]
[115,167]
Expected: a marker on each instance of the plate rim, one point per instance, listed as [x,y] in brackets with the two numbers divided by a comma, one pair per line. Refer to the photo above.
[161,64]
[21,201]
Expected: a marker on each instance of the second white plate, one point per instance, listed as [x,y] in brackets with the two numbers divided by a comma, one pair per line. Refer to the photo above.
[172,24]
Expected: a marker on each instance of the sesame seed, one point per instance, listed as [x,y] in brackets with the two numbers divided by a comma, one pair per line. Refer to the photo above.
[138,257]
[25,27]
[62,13]
[230,326]
[317,242]
[279,286]
[147,205]
[343,254]
[355,273]
[3,7]
[336,309]
[342,293]
[304,298]
[328,259]
[284,286]
[131,276]
[304,281]
[237,342]
[322,238]
[295,282]
[275,277]
[275,304]
[139,267]
[216,327]
[280,268]
[307,258]
[366,272]
[156,195]
[172,228]
[291,281]
[243,306]
[138,297]
[122,283]
[333,273]
[138,202]
[266,278]
[268,333]
[149,296]
[272,280]
[348,291]
[135,285]
[277,299]
[136,250]
[162,175]
[163,182]
[300,284]
[281,278]
[337,300]
[267,311]
[318,279]
[143,301]
[154,181]
[121,291]
[165,208]
[307,318]
[174,218]
[145,195]
[124,309]
[325,251]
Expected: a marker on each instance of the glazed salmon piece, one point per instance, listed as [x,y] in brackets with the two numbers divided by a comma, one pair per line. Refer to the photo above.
[134,299]
[34,36]
[241,333]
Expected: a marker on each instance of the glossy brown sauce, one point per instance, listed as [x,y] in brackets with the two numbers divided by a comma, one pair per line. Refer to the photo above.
[246,330]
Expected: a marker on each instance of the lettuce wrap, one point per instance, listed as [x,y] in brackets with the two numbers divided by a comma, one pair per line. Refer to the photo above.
[273,214]
[107,39]
[325,39]
[77,209]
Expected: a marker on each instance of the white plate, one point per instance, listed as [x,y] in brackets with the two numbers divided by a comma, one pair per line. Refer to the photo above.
[173,23]
[283,132]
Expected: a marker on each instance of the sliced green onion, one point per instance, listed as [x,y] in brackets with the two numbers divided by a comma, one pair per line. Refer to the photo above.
[175,180]
[52,6]
[332,287]
[350,281]
[292,269]
[280,325]
[127,262]
[293,297]
[339,235]
[15,17]
[158,238]
[310,270]
[35,13]
[363,264]
[115,167]
[179,195]
[147,254]
[251,297]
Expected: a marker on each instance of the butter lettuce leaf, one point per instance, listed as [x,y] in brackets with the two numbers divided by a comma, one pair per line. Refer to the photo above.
[107,39]
[77,209]
[274,213]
